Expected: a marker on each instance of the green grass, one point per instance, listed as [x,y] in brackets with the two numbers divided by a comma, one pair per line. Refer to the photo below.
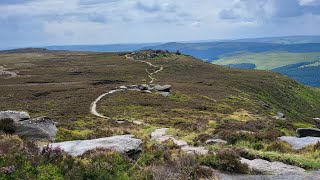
[269,60]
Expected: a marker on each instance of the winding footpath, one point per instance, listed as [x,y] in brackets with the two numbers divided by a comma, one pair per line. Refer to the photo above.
[93,107]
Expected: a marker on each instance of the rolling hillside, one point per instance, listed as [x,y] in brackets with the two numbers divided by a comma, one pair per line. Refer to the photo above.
[205,101]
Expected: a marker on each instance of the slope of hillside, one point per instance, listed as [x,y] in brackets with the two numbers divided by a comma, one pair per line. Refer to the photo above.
[206,101]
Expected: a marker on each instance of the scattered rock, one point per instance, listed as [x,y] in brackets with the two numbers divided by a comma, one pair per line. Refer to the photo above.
[123,144]
[280,116]
[37,129]
[123,87]
[137,122]
[160,136]
[144,87]
[299,143]
[216,141]
[194,150]
[14,115]
[312,132]
[165,94]
[271,167]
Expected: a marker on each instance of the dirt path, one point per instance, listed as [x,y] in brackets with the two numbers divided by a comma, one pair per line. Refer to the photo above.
[93,107]
[150,74]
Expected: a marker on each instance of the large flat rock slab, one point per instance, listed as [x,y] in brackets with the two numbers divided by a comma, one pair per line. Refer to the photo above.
[123,144]
[299,143]
[271,167]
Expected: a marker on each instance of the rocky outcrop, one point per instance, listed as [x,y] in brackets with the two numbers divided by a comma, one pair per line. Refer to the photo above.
[123,144]
[14,115]
[305,132]
[271,167]
[41,128]
[299,143]
[160,136]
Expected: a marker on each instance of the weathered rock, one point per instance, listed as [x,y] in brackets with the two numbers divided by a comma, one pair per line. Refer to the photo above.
[137,122]
[271,167]
[280,116]
[160,136]
[194,150]
[317,122]
[14,115]
[123,144]
[144,87]
[285,176]
[312,132]
[37,129]
[299,143]
[165,94]
[216,141]
[164,88]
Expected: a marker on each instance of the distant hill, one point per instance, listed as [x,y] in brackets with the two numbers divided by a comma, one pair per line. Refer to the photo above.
[283,40]
[305,72]
[102,48]
[269,60]
[211,51]
[23,50]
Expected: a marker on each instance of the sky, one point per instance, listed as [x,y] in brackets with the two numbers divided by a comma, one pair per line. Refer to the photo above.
[26,23]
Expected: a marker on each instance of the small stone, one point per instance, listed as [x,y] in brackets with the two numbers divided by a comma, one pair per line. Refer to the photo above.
[216,141]
[165,94]
[137,122]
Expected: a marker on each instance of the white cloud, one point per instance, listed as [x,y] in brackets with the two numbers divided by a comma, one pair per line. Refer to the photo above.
[116,21]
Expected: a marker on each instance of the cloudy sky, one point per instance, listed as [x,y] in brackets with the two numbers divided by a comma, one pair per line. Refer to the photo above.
[58,22]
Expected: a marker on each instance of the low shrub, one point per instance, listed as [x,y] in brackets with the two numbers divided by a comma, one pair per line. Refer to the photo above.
[7,126]
[279,146]
[225,160]
[185,167]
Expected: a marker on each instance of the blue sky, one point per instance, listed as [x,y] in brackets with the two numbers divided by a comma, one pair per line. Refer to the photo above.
[57,22]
